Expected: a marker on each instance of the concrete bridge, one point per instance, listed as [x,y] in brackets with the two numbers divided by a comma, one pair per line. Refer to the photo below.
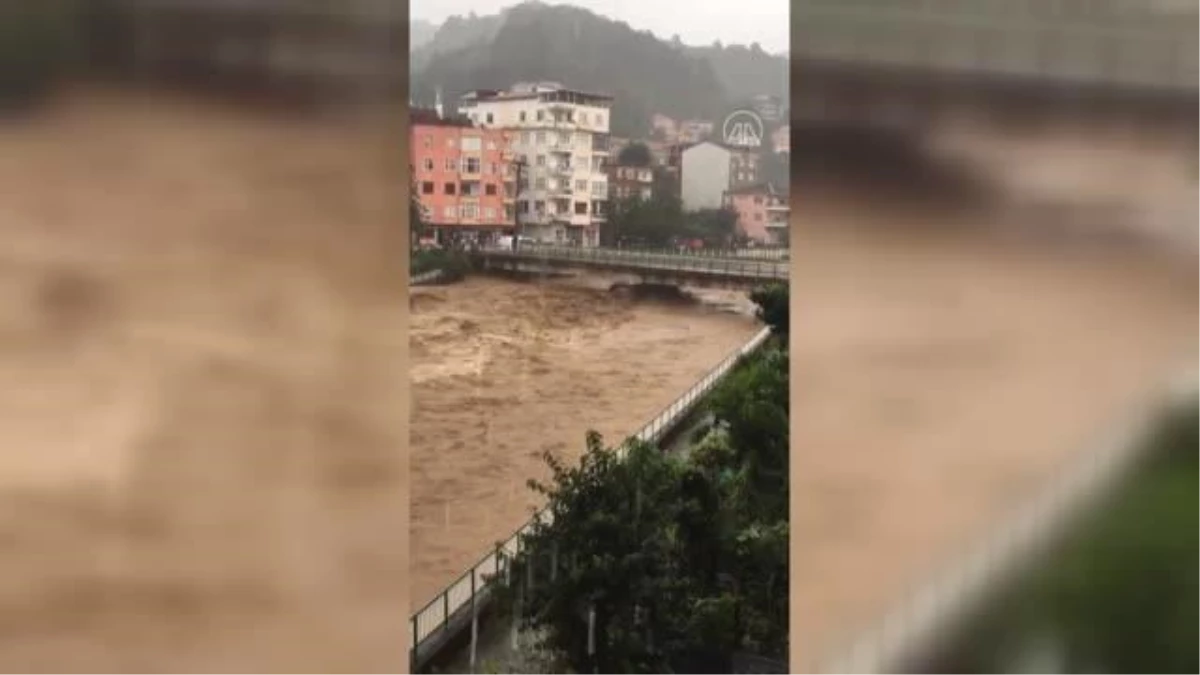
[717,269]
[907,62]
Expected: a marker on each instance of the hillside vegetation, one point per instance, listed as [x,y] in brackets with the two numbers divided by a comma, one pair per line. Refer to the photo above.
[580,49]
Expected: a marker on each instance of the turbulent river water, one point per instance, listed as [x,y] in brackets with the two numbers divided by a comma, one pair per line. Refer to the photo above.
[506,370]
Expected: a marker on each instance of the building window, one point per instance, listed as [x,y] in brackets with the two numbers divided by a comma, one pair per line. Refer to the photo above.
[495,169]
[427,187]
[489,118]
[489,213]
[448,189]
[450,142]
[597,164]
[541,115]
[581,208]
[491,145]
[523,206]
[600,119]
[427,163]
[583,118]
[758,200]
[524,138]
[451,164]
[521,116]
[581,185]
[490,189]
[541,160]
[470,211]
[448,212]
[541,138]
[539,206]
[564,137]
[540,183]
[598,188]
[471,165]
[758,216]
[472,144]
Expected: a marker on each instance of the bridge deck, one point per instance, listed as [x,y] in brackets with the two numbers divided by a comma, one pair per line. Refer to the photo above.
[762,269]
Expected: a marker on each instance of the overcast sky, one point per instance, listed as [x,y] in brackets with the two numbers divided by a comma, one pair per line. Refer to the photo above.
[697,22]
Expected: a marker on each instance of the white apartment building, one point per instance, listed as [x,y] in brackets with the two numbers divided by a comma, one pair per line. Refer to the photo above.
[560,140]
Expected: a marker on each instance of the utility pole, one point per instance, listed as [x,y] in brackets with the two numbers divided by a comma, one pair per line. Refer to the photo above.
[519,163]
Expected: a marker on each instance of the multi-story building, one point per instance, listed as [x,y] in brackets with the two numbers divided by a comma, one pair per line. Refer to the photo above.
[626,182]
[462,176]
[761,212]
[769,108]
[708,170]
[560,142]
[664,127]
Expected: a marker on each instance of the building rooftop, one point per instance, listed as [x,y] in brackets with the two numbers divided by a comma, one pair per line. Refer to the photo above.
[430,118]
[526,91]
[754,188]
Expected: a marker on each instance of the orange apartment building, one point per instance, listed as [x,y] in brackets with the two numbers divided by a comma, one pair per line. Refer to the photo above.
[762,213]
[463,177]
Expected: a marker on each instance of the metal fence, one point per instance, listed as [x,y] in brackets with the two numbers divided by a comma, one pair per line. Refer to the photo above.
[470,590]
[927,612]
[653,260]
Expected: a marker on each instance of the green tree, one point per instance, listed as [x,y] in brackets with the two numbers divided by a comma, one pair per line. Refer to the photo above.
[716,227]
[618,549]
[774,308]
[636,154]
[645,222]
[680,560]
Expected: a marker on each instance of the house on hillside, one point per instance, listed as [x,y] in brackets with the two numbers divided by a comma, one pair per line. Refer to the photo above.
[704,175]
[781,140]
[664,127]
[707,170]
[693,131]
[627,181]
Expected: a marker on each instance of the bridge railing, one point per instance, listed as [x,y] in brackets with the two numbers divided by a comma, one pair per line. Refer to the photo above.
[778,253]
[424,277]
[471,589]
[926,613]
[763,268]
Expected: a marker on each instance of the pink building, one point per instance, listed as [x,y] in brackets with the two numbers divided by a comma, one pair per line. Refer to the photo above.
[757,207]
[462,176]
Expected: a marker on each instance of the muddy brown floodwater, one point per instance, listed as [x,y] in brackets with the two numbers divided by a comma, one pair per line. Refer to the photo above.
[201,465]
[505,370]
[949,361]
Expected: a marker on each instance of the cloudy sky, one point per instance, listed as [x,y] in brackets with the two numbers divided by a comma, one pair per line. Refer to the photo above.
[697,22]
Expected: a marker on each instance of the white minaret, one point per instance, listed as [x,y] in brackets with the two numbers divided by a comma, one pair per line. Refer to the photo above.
[437,103]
